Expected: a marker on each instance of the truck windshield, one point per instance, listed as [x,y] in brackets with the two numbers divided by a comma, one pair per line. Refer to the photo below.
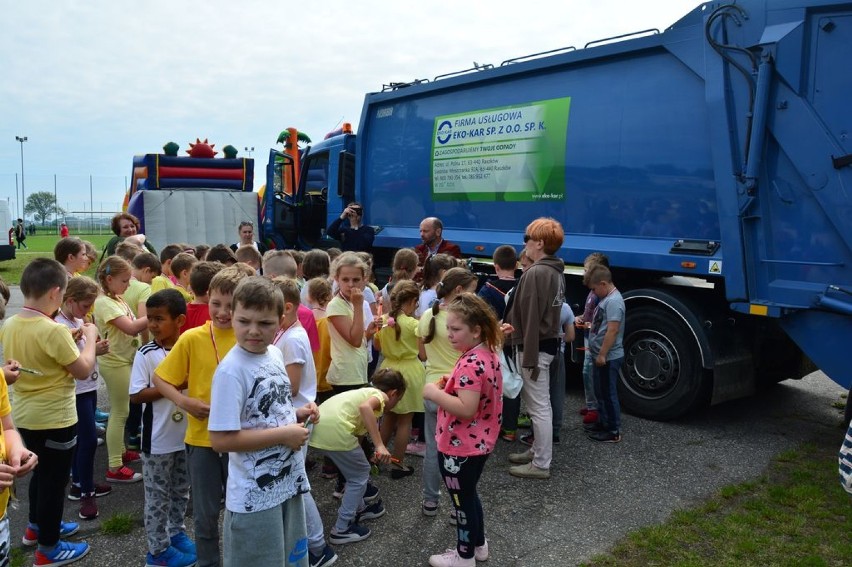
[316,173]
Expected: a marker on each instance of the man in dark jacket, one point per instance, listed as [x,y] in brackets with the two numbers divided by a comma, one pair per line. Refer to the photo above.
[534,312]
[356,237]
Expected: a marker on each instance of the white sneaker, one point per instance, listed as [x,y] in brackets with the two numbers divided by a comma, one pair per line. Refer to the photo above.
[481,552]
[451,558]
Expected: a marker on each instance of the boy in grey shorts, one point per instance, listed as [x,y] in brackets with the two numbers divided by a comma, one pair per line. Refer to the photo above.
[252,417]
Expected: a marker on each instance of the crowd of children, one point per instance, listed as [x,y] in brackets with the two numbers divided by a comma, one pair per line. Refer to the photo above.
[228,378]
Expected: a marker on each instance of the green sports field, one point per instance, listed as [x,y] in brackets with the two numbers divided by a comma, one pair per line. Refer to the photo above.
[41,246]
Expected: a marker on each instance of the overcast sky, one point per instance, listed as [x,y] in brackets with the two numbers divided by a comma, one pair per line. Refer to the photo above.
[93,83]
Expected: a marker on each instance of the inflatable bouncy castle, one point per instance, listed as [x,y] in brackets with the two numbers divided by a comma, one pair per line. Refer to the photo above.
[196,199]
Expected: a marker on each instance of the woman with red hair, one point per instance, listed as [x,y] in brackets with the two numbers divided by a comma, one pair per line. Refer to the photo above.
[534,312]
[124,225]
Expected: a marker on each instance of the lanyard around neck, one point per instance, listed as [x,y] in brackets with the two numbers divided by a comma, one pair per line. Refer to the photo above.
[282,332]
[34,310]
[215,348]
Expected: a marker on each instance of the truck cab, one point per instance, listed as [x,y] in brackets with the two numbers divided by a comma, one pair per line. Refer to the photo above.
[302,194]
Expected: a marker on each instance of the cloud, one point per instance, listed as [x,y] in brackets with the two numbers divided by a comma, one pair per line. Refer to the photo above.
[91,84]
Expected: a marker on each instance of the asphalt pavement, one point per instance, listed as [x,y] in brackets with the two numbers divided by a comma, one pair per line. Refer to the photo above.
[597,494]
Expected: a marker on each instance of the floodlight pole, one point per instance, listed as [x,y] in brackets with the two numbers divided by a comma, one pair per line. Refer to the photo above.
[22,139]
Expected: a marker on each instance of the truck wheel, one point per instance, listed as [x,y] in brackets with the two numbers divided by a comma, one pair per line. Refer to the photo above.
[661,377]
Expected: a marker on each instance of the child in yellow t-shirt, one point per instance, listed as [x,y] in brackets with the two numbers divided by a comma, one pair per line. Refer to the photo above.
[71,253]
[15,459]
[45,410]
[191,364]
[346,417]
[181,266]
[166,279]
[346,326]
[398,342]
[318,295]
[117,324]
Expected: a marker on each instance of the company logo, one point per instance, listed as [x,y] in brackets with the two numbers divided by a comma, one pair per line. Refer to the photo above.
[445,131]
[299,551]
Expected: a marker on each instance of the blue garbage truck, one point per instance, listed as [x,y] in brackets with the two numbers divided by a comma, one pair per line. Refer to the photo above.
[711,162]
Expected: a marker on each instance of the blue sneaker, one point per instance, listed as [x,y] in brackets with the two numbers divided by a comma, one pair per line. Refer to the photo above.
[371,512]
[371,494]
[182,543]
[63,554]
[171,557]
[66,529]
[324,559]
[101,416]
[355,532]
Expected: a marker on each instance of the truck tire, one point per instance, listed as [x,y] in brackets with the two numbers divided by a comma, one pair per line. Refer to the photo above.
[661,377]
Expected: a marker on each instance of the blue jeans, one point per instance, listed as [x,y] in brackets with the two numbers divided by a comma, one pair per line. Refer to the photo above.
[431,476]
[606,380]
[588,381]
[83,465]
[355,468]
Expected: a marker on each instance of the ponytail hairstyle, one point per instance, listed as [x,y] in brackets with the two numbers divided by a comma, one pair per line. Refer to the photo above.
[453,278]
[474,311]
[81,288]
[404,264]
[387,379]
[435,267]
[403,292]
[112,266]
[368,261]
[319,289]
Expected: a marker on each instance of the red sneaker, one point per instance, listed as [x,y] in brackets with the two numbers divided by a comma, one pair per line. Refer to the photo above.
[591,417]
[124,475]
[130,457]
[584,411]
[88,507]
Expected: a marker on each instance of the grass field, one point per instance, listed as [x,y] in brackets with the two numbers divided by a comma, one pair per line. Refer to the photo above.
[796,514]
[42,247]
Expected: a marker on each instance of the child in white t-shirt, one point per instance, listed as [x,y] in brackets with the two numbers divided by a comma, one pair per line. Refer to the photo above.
[252,418]
[79,297]
[165,471]
[292,340]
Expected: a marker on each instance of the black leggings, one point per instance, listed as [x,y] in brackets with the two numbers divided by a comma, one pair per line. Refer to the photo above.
[55,450]
[461,474]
